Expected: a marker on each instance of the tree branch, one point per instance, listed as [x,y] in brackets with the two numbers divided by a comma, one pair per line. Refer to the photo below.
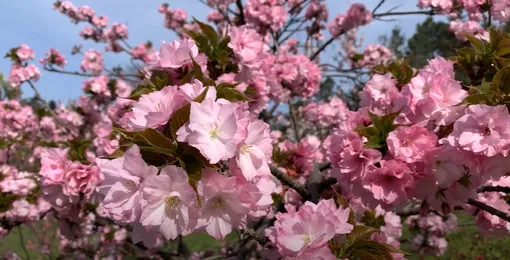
[429,12]
[326,44]
[489,209]
[250,234]
[76,73]
[241,12]
[378,5]
[287,180]
[493,189]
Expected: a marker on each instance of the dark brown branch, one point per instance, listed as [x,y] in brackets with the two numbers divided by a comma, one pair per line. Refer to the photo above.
[325,166]
[76,73]
[241,12]
[493,189]
[250,234]
[489,209]
[428,12]
[326,44]
[378,5]
[287,180]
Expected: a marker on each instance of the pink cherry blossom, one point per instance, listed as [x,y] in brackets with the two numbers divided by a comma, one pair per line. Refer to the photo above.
[155,109]
[211,129]
[410,144]
[25,53]
[192,90]
[100,21]
[356,15]
[53,165]
[81,178]
[124,179]
[254,153]
[482,130]
[222,204]
[177,54]
[54,57]
[388,183]
[349,157]
[299,233]
[92,61]
[171,203]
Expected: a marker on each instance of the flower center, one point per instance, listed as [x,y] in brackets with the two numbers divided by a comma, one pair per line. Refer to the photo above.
[307,239]
[130,184]
[158,107]
[219,202]
[214,132]
[172,202]
[245,148]
[486,131]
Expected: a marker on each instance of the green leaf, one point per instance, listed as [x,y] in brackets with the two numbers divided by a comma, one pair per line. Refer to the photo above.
[117,154]
[495,38]
[223,45]
[369,250]
[181,116]
[231,94]
[161,79]
[141,89]
[474,99]
[194,168]
[477,43]
[200,75]
[360,233]
[501,80]
[209,32]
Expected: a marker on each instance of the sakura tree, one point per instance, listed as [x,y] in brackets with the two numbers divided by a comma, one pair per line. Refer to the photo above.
[224,131]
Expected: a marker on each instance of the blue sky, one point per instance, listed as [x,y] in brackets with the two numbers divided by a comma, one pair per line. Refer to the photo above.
[35,23]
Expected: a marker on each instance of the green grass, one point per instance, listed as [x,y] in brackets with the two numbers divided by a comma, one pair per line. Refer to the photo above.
[465,243]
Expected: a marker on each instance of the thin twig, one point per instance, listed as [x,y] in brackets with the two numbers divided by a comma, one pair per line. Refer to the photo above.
[322,47]
[489,209]
[429,12]
[378,5]
[76,73]
[22,240]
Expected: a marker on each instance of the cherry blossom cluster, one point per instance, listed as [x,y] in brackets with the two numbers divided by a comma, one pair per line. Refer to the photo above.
[429,232]
[96,29]
[188,150]
[21,70]
[54,57]
[291,75]
[306,232]
[415,155]
[356,15]
[20,189]
[265,14]
[326,114]
[488,224]
[174,18]
[92,61]
[475,10]
[372,55]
